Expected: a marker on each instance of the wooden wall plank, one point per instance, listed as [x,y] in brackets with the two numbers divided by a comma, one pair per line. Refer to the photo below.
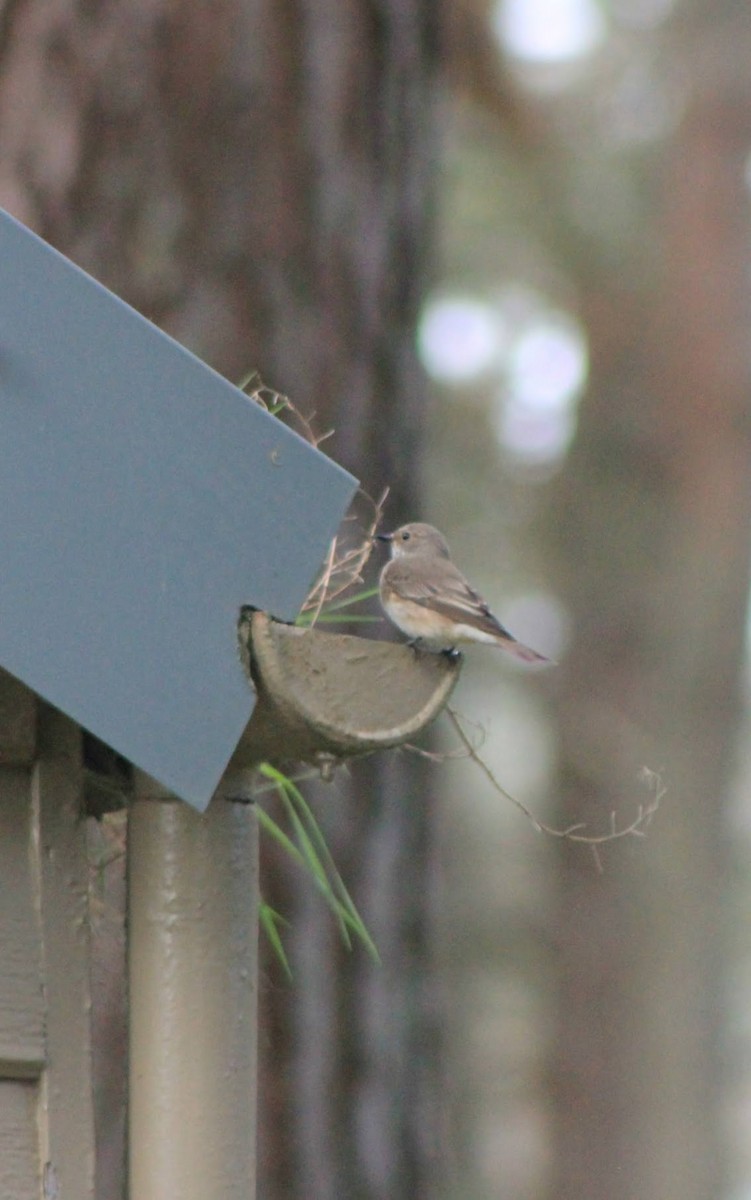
[21,993]
[67,1118]
[19,1152]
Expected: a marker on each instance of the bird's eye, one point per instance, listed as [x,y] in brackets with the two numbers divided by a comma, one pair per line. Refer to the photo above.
[405,537]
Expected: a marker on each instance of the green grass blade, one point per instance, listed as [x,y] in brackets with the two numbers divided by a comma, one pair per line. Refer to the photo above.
[326,618]
[286,791]
[308,860]
[270,921]
[269,825]
[364,595]
[301,814]
[337,882]
[246,379]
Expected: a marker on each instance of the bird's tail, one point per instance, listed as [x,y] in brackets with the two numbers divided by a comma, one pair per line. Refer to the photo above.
[524,653]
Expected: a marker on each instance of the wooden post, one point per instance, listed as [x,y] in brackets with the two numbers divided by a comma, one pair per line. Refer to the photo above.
[193,924]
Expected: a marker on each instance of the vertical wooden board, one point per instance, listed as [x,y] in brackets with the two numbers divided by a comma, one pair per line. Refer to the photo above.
[19,1150]
[67,1117]
[21,994]
[106,843]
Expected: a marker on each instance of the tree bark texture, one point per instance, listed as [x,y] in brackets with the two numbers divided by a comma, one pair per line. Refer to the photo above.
[255,177]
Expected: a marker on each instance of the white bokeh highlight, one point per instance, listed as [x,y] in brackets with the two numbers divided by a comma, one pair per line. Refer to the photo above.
[549,31]
[532,357]
[460,339]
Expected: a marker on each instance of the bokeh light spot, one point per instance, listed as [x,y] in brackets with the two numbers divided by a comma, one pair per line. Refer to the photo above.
[459,339]
[549,31]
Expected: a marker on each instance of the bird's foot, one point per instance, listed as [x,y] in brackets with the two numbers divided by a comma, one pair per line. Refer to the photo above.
[452,654]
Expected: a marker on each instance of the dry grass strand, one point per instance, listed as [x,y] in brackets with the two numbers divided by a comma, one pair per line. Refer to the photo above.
[345,563]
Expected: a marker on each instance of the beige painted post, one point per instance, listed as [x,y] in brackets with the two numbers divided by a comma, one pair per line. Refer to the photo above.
[193,929]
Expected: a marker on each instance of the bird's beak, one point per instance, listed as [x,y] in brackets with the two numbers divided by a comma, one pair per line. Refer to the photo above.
[384,537]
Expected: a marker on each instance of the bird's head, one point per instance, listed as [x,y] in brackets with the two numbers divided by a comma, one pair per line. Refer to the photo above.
[415,538]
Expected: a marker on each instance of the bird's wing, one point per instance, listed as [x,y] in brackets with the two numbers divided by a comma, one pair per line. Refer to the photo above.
[452,597]
[448,594]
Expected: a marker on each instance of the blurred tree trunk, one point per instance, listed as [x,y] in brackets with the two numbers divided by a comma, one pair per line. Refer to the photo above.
[655,520]
[255,176]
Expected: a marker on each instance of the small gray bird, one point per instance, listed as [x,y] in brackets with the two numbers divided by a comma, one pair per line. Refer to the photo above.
[429,599]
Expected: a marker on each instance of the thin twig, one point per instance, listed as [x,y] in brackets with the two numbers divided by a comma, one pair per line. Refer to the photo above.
[436,756]
[276,402]
[327,573]
[572,833]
